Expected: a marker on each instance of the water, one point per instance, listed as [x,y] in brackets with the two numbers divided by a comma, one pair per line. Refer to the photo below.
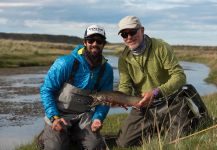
[196,73]
[11,136]
[14,136]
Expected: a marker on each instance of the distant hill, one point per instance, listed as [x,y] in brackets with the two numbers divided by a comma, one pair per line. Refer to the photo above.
[41,38]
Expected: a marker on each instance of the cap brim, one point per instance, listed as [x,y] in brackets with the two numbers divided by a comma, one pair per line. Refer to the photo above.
[95,34]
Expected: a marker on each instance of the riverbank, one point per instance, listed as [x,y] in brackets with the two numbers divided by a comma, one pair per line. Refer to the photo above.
[205,55]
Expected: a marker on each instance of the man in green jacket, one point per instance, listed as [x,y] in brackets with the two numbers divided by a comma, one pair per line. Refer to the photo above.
[149,68]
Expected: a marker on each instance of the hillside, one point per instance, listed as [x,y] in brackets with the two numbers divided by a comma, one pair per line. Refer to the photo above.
[41,38]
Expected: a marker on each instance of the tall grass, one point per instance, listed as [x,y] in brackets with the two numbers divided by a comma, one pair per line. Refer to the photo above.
[24,53]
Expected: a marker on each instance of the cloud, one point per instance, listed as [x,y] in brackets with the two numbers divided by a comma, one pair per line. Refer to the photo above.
[72,16]
[3,21]
[67,28]
[18,4]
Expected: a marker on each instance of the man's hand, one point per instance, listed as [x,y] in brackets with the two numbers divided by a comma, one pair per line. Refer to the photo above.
[59,124]
[146,100]
[96,125]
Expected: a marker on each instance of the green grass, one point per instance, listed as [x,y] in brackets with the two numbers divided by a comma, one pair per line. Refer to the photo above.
[30,146]
[24,53]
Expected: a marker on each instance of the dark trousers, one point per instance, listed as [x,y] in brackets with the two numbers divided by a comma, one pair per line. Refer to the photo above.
[170,122]
[79,133]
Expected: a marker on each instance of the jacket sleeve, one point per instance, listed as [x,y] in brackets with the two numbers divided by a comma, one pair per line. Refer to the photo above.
[53,82]
[106,84]
[125,83]
[176,72]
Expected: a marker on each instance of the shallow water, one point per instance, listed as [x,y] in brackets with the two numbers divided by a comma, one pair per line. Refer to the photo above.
[20,109]
[13,136]
[196,73]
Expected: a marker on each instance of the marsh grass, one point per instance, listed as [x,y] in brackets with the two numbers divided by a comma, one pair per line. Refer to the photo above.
[30,146]
[25,53]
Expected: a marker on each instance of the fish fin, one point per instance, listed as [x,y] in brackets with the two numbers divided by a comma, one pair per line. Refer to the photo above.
[136,107]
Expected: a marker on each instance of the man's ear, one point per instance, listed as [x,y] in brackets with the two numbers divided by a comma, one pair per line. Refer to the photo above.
[143,29]
[84,42]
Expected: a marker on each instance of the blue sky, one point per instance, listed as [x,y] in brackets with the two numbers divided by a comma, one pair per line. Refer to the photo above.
[192,22]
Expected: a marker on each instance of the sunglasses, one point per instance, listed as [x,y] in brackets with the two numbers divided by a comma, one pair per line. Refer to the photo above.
[131,32]
[92,40]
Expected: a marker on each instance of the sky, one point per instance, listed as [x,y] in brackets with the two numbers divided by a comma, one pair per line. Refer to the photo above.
[178,22]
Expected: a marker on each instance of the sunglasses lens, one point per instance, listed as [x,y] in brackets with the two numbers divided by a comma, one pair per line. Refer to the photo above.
[98,41]
[131,33]
[90,41]
[124,35]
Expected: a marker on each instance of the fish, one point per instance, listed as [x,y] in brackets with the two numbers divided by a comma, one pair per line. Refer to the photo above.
[120,99]
[114,98]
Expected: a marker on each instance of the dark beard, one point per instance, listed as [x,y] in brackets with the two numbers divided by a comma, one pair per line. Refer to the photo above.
[93,60]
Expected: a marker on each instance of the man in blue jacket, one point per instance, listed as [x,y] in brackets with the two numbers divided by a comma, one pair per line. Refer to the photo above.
[65,90]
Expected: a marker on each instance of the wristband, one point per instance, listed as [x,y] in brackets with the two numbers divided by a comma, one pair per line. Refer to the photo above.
[53,118]
[156,92]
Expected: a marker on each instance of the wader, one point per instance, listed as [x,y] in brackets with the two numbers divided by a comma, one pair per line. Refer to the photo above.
[74,105]
[178,115]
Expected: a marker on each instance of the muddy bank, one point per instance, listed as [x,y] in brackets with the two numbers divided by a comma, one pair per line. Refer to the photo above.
[19,113]
[22,70]
[19,95]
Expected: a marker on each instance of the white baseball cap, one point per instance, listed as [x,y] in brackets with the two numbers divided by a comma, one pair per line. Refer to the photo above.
[94,29]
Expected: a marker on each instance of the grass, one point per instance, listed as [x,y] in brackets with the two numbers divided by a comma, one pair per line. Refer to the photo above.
[24,53]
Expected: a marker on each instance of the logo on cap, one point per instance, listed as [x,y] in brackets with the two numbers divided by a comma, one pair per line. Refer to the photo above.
[94,29]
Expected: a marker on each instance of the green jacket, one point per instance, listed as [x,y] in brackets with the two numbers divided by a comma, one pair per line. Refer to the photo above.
[158,69]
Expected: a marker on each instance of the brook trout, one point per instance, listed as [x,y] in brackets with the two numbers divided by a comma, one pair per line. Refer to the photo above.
[114,98]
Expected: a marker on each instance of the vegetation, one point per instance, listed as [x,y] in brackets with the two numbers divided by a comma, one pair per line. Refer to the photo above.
[26,53]
[206,55]
[41,38]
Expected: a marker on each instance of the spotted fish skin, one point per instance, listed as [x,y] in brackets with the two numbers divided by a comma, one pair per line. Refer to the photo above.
[114,98]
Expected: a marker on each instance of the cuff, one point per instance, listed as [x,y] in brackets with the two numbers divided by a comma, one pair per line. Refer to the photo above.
[157,93]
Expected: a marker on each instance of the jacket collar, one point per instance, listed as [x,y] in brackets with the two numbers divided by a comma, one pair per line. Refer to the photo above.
[79,52]
[127,54]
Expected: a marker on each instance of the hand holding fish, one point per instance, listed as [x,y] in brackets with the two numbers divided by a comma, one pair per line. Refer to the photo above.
[116,98]
[146,100]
